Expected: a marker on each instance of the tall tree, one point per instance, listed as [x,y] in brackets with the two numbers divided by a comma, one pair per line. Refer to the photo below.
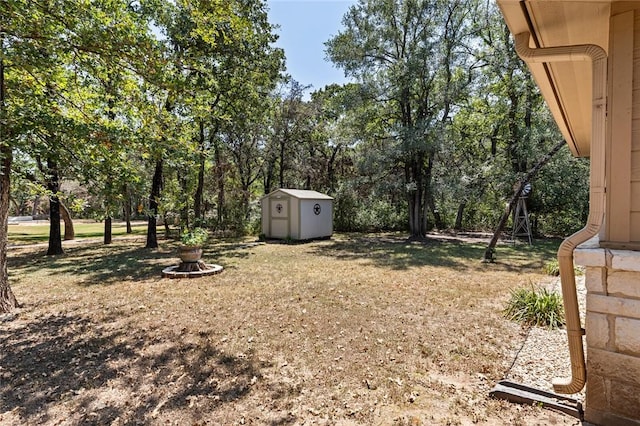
[333,112]
[289,130]
[221,63]
[53,187]
[244,137]
[406,53]
[154,198]
[40,41]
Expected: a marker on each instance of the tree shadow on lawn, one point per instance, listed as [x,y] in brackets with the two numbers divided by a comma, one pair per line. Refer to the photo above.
[67,365]
[398,252]
[520,256]
[99,264]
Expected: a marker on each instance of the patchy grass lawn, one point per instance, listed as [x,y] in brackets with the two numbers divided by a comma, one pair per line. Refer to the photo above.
[358,329]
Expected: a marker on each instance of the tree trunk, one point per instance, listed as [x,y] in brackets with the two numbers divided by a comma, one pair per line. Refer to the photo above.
[283,145]
[55,234]
[414,172]
[430,200]
[197,198]
[220,182]
[69,233]
[513,148]
[246,201]
[7,299]
[36,204]
[156,187]
[416,213]
[126,209]
[107,230]
[267,179]
[184,213]
[53,185]
[167,231]
[491,247]
[152,237]
[437,218]
[331,173]
[459,215]
[19,208]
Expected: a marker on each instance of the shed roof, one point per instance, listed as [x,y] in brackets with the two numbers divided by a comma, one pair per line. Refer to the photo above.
[302,194]
[566,86]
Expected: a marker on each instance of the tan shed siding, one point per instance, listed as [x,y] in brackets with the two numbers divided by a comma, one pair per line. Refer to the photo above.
[294,219]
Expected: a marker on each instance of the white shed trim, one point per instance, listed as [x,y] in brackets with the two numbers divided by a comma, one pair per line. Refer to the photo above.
[302,194]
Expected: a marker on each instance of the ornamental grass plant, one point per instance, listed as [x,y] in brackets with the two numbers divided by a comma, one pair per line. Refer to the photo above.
[535,306]
[552,268]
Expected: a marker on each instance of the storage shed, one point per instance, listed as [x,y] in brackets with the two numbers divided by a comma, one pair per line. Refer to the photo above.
[297,214]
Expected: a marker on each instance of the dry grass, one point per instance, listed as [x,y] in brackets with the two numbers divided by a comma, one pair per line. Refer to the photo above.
[353,330]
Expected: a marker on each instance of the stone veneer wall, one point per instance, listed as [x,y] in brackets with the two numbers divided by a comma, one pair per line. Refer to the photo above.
[612,334]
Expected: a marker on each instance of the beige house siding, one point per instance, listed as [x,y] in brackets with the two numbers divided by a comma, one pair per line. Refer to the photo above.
[612,261]
[635,136]
[613,276]
[620,103]
[623,154]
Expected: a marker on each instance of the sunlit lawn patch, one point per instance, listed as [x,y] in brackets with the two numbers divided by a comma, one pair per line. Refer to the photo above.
[29,233]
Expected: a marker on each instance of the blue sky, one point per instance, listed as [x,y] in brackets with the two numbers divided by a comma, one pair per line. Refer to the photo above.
[304,27]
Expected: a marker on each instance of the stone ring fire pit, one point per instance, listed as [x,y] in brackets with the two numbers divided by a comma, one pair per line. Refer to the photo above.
[191,265]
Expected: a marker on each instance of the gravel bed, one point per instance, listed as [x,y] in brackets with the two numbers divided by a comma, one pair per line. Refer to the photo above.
[544,354]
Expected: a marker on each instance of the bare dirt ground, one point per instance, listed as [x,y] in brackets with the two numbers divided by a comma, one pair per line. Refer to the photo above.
[356,330]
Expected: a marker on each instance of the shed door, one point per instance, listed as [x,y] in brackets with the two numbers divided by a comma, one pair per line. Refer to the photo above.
[279,213]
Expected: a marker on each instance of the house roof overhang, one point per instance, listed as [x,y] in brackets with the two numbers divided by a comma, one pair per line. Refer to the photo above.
[566,86]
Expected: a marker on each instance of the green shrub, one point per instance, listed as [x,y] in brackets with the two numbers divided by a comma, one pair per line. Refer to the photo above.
[379,215]
[346,207]
[539,307]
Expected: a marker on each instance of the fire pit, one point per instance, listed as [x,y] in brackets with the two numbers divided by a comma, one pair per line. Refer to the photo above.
[191,270]
[190,253]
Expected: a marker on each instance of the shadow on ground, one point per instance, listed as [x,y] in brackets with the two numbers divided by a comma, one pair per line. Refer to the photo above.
[63,365]
[398,252]
[99,264]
